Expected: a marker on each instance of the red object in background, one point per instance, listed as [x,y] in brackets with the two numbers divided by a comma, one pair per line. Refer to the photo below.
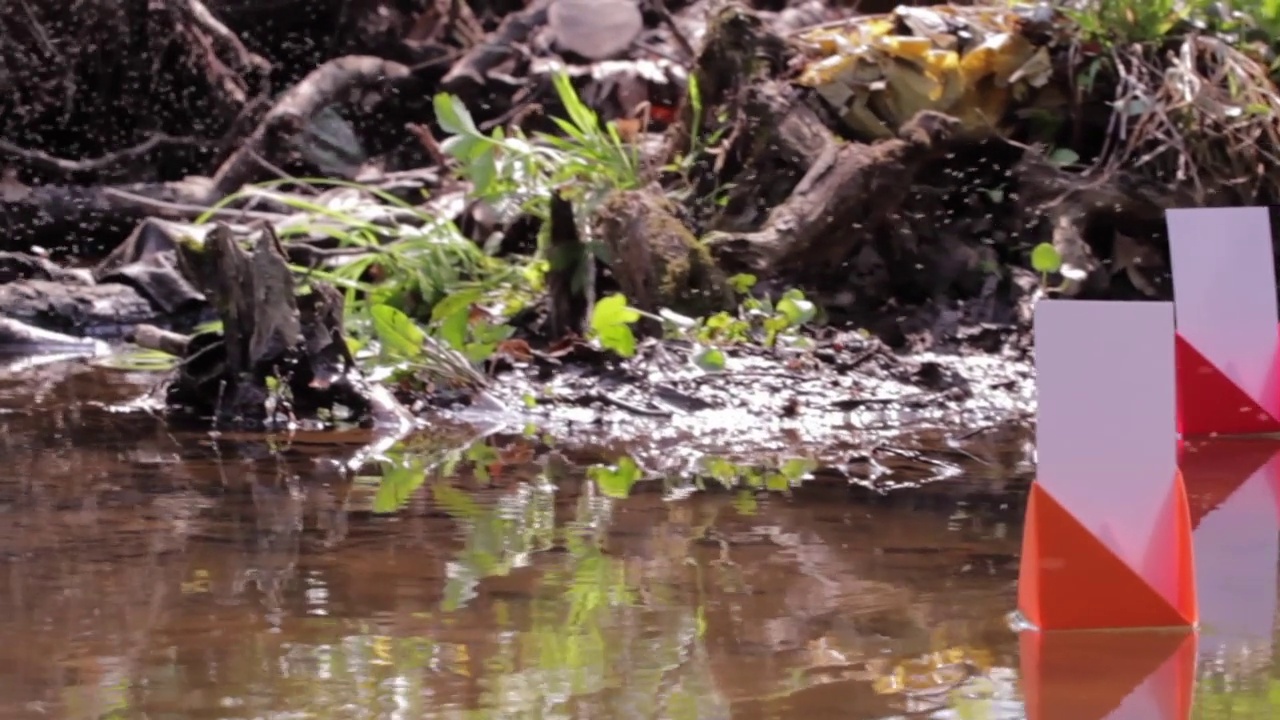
[665,114]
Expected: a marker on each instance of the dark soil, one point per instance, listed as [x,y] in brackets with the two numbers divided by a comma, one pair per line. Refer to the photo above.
[915,247]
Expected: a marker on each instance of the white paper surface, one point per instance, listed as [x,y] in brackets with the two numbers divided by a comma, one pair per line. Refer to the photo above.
[1106,421]
[1224,291]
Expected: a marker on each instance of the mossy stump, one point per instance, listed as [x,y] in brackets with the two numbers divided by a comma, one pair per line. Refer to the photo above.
[656,260]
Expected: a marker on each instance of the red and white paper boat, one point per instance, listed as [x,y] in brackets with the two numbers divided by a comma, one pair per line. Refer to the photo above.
[1107,541]
[1224,286]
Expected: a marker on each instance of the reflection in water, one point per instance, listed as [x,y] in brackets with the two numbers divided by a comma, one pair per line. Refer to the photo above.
[147,572]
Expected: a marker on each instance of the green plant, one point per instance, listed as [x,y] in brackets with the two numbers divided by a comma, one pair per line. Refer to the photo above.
[1045,260]
[1124,21]
[756,320]
[516,173]
[419,259]
[405,344]
[611,321]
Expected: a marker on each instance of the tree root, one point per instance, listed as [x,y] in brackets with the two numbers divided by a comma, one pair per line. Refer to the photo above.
[849,195]
[269,335]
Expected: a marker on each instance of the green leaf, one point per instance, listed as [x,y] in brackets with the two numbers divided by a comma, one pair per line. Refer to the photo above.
[710,359]
[610,321]
[453,116]
[613,310]
[1045,258]
[797,312]
[743,282]
[453,330]
[483,171]
[398,334]
[1064,156]
[455,303]
[619,339]
[462,147]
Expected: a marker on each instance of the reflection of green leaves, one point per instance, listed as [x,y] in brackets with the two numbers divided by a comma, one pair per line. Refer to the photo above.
[399,335]
[458,503]
[138,359]
[781,478]
[616,481]
[1222,693]
[796,470]
[399,482]
[745,503]
[611,320]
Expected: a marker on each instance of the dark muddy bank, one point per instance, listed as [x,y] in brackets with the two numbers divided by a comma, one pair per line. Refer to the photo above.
[913,242]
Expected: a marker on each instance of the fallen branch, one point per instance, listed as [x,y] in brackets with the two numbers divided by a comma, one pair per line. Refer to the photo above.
[276,134]
[150,337]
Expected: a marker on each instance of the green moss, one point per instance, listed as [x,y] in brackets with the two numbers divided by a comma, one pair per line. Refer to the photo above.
[657,260]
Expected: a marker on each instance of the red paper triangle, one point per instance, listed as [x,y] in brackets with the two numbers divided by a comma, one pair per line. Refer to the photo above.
[1086,675]
[1210,403]
[1214,469]
[1070,580]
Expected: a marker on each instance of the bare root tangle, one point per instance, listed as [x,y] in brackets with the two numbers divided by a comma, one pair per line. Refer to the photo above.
[472,67]
[1205,115]
[852,194]
[91,78]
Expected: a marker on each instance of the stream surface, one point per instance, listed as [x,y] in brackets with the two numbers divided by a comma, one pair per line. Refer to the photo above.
[151,572]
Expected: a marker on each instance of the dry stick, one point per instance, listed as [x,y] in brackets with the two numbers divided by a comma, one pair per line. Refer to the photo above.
[320,88]
[205,20]
[186,211]
[150,337]
[488,54]
[51,163]
[660,7]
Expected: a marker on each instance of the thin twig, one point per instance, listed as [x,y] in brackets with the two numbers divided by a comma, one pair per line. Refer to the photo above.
[50,163]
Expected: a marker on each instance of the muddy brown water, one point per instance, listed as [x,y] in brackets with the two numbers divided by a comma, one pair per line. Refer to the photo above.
[153,572]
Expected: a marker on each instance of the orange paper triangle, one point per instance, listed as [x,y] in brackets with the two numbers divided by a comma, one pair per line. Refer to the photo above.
[1209,402]
[1087,675]
[1070,580]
